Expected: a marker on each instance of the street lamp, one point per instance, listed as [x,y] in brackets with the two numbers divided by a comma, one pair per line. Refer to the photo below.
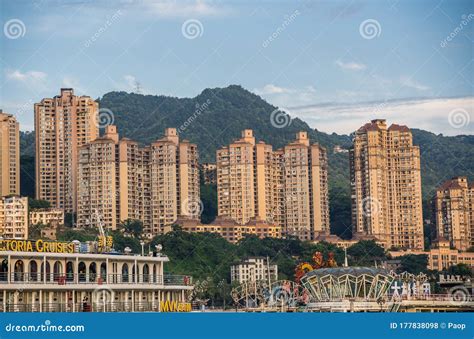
[143,244]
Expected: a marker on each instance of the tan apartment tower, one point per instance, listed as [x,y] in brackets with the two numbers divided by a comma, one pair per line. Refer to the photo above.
[62,125]
[9,155]
[287,187]
[306,197]
[155,184]
[454,213]
[244,185]
[386,185]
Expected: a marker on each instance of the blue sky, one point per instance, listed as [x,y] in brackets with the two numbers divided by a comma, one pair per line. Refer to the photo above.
[336,64]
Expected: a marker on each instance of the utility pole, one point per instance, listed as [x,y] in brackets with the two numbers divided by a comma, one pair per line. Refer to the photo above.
[137,87]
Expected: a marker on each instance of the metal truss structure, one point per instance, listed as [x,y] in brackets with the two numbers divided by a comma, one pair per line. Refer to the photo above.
[344,283]
[281,293]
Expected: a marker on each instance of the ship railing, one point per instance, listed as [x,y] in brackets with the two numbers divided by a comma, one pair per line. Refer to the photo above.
[86,306]
[177,280]
[83,278]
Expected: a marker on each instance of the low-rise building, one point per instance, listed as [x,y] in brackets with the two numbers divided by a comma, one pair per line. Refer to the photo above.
[14,217]
[346,243]
[46,216]
[254,269]
[50,231]
[230,229]
[441,256]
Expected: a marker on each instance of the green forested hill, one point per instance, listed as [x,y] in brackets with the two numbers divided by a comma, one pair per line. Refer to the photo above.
[231,109]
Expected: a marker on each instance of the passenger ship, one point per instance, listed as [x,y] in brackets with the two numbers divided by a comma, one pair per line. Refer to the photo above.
[47,276]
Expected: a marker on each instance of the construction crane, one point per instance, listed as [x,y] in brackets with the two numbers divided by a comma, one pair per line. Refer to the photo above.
[105,242]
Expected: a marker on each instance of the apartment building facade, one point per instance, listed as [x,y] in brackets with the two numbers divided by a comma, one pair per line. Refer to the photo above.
[441,256]
[47,216]
[230,230]
[9,155]
[386,185]
[453,207]
[287,187]
[119,180]
[253,269]
[62,125]
[14,217]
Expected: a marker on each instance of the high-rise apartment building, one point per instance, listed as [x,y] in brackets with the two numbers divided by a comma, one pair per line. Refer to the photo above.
[14,217]
[119,180]
[62,125]
[305,188]
[386,185]
[454,213]
[287,187]
[97,181]
[9,155]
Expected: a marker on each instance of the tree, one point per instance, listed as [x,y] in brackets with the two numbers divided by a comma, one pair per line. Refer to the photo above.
[460,269]
[365,253]
[34,231]
[132,227]
[70,219]
[35,204]
[413,263]
[209,201]
[121,242]
[67,234]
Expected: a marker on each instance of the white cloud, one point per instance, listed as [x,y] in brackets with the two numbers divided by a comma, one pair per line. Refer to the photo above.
[74,83]
[33,76]
[352,66]
[272,89]
[409,82]
[184,9]
[428,114]
[132,84]
[285,96]
[131,81]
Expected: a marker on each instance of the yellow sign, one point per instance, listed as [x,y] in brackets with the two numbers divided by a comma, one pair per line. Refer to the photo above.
[36,246]
[174,306]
